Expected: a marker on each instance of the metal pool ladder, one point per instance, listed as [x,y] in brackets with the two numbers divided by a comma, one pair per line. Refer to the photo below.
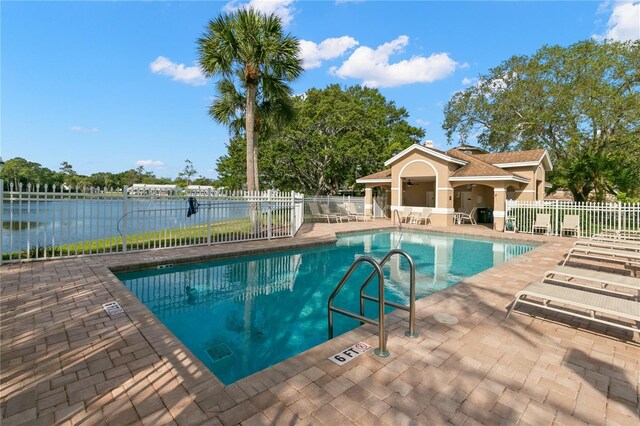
[381,351]
[397,216]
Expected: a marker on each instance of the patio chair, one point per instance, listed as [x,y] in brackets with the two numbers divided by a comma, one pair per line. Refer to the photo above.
[471,216]
[610,244]
[406,214]
[592,277]
[568,300]
[315,212]
[353,212]
[608,234]
[570,223]
[627,257]
[424,217]
[327,211]
[543,221]
[344,214]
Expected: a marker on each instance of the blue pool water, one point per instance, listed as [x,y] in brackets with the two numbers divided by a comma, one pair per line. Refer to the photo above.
[242,315]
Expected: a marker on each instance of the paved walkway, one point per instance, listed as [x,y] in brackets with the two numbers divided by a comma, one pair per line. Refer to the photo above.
[65,361]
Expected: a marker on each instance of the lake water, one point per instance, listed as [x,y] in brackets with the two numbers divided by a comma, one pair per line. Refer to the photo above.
[29,224]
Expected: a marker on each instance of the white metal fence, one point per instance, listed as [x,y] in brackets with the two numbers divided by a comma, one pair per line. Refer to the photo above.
[334,202]
[42,223]
[594,217]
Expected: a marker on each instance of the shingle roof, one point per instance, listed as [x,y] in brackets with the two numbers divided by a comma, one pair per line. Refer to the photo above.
[475,166]
[384,174]
[511,157]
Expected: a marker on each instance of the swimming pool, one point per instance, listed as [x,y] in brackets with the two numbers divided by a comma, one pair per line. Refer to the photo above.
[241,315]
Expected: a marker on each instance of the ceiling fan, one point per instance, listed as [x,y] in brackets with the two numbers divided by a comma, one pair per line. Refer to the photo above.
[409,182]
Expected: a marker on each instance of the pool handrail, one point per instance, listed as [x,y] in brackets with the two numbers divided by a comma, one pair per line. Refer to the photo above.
[381,351]
[412,291]
[397,215]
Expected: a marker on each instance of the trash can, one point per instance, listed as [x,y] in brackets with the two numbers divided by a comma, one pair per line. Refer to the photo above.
[484,215]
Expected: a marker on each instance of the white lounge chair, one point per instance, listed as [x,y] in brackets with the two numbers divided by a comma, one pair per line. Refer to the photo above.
[543,222]
[471,216]
[574,299]
[577,276]
[570,223]
[607,236]
[610,244]
[627,257]
[353,212]
[327,211]
[622,234]
[315,212]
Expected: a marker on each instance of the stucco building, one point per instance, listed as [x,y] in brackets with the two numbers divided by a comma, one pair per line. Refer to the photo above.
[460,179]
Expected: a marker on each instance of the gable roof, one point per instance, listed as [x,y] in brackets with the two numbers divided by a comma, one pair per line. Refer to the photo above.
[491,166]
[378,177]
[478,169]
[427,150]
[517,158]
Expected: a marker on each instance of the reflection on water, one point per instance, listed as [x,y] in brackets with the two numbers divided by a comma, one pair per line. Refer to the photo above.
[245,314]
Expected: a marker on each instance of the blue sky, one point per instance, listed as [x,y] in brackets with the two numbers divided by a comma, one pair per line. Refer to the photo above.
[108,86]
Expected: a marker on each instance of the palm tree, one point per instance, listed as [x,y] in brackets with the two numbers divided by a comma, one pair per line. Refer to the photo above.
[255,61]
[273,109]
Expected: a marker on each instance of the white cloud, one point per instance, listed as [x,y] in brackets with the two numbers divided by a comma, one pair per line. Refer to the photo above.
[373,67]
[282,8]
[79,129]
[422,122]
[624,23]
[469,81]
[150,164]
[313,54]
[178,72]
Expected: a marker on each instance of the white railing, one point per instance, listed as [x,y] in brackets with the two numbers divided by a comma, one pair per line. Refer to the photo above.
[40,222]
[594,217]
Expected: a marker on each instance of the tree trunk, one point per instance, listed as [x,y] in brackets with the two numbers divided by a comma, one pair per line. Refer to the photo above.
[252,157]
[255,160]
[250,130]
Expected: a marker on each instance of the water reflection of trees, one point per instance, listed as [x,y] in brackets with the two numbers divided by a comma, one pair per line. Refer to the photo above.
[251,314]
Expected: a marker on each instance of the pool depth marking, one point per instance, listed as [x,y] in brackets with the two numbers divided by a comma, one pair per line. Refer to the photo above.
[348,354]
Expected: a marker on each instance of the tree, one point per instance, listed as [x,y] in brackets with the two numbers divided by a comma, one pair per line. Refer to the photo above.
[337,136]
[18,170]
[187,173]
[581,103]
[250,53]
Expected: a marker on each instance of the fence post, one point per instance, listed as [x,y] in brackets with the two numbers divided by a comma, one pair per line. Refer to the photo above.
[124,218]
[1,213]
[555,230]
[619,217]
[293,214]
[209,216]
[269,216]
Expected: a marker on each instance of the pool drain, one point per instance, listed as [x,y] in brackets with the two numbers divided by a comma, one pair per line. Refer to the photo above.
[218,352]
[112,308]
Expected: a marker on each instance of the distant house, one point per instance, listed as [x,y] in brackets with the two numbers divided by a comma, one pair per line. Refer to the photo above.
[152,189]
[201,190]
[560,195]
[460,179]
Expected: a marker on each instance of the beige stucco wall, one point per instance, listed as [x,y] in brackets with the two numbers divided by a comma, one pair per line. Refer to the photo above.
[492,194]
[421,165]
[534,190]
[416,194]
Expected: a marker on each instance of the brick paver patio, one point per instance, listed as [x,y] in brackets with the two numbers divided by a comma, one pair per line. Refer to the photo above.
[65,361]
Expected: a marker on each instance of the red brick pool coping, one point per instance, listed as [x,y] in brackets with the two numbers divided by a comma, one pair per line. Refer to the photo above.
[65,361]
